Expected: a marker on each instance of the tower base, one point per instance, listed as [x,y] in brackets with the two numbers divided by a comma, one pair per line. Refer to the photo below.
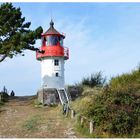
[48,96]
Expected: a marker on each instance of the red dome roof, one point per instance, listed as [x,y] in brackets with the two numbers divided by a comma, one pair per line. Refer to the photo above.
[52,30]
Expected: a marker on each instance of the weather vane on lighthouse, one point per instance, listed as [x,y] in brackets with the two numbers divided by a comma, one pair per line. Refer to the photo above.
[52,55]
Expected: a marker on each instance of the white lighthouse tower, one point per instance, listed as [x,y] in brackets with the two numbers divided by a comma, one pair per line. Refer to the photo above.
[52,59]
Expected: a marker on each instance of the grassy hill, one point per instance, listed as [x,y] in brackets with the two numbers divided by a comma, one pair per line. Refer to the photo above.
[114,108]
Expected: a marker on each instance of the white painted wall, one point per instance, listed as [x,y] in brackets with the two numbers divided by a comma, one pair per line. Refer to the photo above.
[49,70]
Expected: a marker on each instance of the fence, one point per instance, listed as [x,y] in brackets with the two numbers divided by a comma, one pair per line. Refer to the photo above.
[84,120]
[0,97]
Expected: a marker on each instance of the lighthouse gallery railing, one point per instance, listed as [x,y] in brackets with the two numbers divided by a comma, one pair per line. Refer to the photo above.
[52,52]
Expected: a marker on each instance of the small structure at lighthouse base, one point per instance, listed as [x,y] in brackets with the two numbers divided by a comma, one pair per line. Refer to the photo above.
[52,55]
[48,96]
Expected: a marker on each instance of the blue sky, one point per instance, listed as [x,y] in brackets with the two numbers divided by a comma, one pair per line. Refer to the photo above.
[100,36]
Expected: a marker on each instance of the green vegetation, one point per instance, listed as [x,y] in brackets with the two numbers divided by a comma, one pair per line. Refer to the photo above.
[32,123]
[4,97]
[15,35]
[94,80]
[36,103]
[114,108]
[12,93]
[1,103]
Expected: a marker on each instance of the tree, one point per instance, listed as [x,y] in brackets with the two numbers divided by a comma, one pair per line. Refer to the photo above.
[15,35]
[4,94]
[12,93]
[5,90]
[94,80]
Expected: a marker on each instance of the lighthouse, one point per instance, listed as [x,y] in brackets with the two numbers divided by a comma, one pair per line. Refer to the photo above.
[52,55]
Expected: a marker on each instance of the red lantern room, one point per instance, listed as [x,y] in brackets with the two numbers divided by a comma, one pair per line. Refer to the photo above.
[52,44]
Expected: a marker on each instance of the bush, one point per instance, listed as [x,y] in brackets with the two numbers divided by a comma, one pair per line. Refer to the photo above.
[12,93]
[74,91]
[112,113]
[116,109]
[4,96]
[94,80]
[36,103]
[1,103]
[123,122]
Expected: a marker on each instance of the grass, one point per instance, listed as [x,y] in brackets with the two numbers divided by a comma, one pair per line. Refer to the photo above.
[84,132]
[37,104]
[1,103]
[32,123]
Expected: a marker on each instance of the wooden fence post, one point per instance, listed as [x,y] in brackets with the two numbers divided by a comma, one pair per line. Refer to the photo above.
[72,114]
[82,120]
[0,97]
[91,127]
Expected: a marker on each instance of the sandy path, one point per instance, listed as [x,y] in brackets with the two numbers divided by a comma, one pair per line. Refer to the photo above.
[20,119]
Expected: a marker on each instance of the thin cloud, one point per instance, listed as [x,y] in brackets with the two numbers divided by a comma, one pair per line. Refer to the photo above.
[100,39]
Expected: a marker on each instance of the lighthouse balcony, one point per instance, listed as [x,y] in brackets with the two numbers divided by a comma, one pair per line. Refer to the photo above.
[66,53]
[54,51]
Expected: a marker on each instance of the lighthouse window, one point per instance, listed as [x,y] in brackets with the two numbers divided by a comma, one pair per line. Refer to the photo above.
[56,62]
[43,41]
[52,40]
[56,74]
[61,41]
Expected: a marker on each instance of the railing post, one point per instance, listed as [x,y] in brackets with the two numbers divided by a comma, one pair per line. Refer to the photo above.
[91,127]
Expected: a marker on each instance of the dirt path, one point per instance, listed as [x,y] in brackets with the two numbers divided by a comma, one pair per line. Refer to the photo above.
[20,119]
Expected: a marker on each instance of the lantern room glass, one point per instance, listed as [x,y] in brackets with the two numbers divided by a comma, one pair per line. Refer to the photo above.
[52,40]
[61,41]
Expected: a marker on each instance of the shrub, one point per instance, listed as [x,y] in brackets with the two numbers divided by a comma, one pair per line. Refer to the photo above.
[116,109]
[94,80]
[122,123]
[74,91]
[4,96]
[36,103]
[1,103]
[12,93]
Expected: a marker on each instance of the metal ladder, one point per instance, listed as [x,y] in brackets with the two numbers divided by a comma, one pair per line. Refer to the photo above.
[63,96]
